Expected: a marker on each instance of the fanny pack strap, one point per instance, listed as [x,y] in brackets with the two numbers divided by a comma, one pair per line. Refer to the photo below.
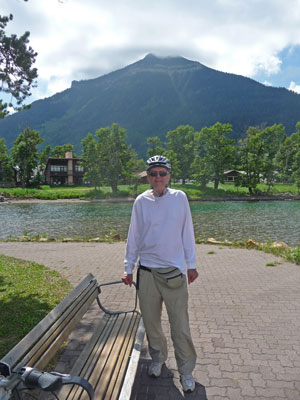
[145,268]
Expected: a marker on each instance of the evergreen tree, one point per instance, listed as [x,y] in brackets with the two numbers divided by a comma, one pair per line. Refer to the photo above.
[17,75]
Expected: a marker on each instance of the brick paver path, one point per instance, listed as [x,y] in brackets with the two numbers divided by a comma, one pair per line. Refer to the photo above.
[244,318]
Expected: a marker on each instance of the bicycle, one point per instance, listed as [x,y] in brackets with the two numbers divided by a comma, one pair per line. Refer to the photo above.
[13,382]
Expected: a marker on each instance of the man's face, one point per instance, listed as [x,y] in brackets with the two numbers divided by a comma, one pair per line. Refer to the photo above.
[156,181]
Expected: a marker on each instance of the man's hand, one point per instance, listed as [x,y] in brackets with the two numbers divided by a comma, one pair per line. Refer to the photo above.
[127,279]
[192,275]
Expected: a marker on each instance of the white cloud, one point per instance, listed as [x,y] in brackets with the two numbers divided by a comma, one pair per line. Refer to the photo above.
[294,87]
[84,39]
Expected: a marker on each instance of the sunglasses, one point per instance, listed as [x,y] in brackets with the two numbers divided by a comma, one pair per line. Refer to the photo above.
[160,173]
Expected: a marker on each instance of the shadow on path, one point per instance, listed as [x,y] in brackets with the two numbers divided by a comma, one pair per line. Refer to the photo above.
[166,387]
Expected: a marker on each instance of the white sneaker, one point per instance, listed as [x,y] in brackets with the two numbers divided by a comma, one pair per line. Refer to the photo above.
[187,382]
[155,369]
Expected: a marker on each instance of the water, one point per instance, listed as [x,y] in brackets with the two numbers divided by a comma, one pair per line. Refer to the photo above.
[276,221]
[262,221]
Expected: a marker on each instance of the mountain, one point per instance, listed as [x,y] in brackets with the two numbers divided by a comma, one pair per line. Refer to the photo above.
[152,96]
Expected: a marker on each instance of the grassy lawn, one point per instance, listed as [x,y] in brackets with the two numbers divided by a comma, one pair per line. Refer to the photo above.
[66,192]
[28,291]
[193,191]
[229,190]
[291,254]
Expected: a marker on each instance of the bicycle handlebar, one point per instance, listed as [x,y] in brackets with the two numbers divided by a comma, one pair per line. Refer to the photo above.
[32,378]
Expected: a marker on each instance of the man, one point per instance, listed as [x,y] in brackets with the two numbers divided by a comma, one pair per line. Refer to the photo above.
[161,235]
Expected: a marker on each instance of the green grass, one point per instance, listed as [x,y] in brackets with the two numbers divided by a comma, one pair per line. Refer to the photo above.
[67,192]
[291,254]
[46,193]
[28,292]
[273,264]
[193,191]
[229,190]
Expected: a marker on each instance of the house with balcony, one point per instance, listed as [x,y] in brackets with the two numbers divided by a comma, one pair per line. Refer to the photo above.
[232,175]
[64,171]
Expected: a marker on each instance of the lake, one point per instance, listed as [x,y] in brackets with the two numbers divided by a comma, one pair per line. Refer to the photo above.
[241,220]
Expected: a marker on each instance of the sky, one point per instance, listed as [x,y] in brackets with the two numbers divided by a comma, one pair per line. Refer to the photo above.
[85,39]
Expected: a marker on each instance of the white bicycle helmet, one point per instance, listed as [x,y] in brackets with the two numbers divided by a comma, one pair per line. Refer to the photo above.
[158,161]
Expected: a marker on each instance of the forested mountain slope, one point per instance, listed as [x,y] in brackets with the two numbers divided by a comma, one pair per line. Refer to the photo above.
[152,96]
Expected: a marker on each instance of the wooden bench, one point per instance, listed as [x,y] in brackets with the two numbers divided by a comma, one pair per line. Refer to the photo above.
[109,358]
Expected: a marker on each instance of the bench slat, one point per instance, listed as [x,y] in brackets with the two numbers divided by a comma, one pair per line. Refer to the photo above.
[117,378]
[99,363]
[105,357]
[113,353]
[83,366]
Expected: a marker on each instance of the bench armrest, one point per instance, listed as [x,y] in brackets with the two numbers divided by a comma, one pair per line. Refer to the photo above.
[116,312]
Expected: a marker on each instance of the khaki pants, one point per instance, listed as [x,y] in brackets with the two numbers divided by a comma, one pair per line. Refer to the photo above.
[152,292]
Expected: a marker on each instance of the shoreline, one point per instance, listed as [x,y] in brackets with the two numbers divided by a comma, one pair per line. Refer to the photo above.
[251,198]
[35,200]
[7,200]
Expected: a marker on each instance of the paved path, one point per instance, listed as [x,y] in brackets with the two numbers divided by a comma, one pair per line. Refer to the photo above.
[244,318]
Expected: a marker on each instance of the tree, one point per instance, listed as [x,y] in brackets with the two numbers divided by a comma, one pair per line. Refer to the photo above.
[43,157]
[215,152]
[155,146]
[285,159]
[180,146]
[201,170]
[59,151]
[296,170]
[118,159]
[289,148]
[261,155]
[251,151]
[108,157]
[91,161]
[6,165]
[272,138]
[25,155]
[17,75]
